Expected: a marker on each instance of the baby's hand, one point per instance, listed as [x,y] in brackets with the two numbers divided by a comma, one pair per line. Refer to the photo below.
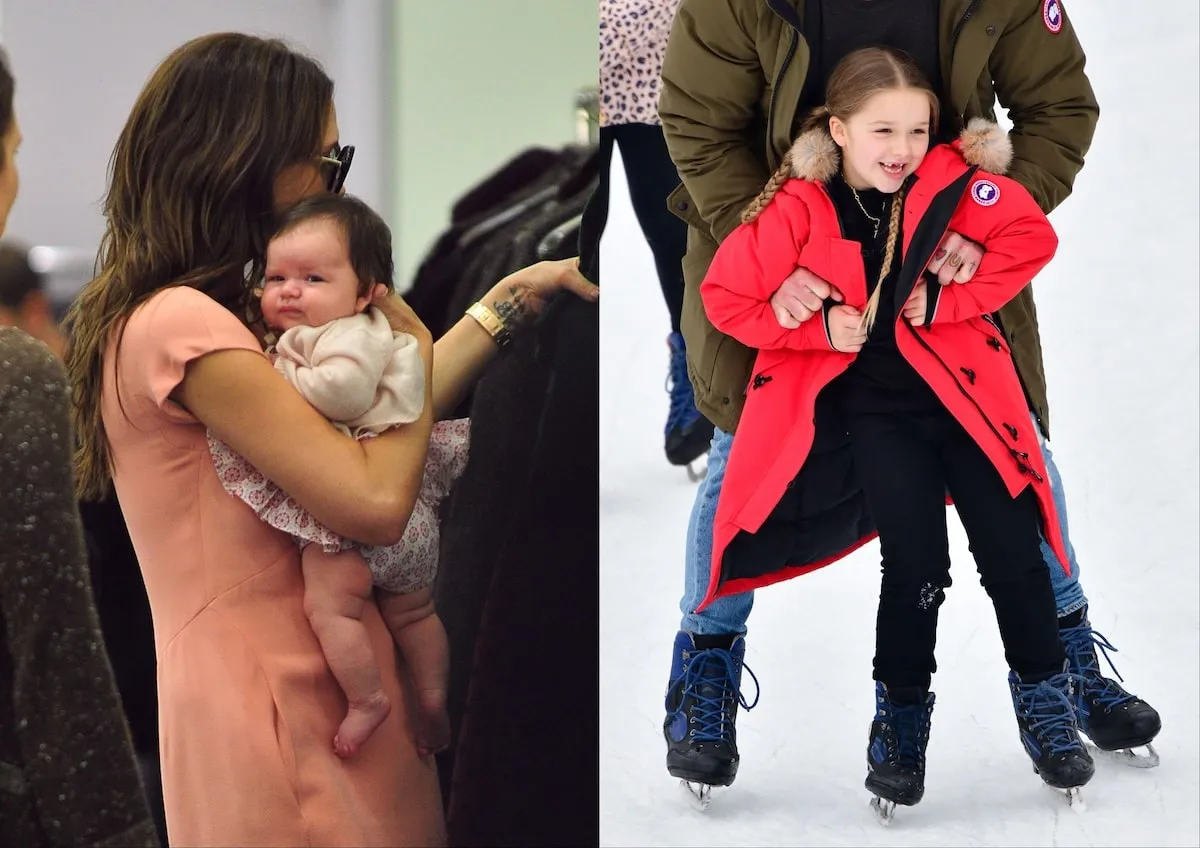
[846,329]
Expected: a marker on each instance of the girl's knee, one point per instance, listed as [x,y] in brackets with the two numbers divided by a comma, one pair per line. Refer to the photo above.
[926,592]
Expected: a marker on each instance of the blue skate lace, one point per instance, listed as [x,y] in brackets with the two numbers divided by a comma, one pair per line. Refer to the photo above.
[909,721]
[1082,643]
[710,714]
[1050,714]
[682,410]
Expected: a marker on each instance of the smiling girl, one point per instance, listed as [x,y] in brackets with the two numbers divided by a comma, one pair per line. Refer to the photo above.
[861,420]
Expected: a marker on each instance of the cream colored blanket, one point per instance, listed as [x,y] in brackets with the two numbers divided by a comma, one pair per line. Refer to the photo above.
[355,371]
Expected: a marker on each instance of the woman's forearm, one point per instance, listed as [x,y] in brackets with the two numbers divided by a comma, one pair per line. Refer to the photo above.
[461,356]
[466,350]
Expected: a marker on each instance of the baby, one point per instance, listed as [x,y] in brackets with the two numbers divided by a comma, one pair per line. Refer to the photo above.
[322,266]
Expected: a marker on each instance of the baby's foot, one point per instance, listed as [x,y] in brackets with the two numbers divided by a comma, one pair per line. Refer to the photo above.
[360,722]
[433,722]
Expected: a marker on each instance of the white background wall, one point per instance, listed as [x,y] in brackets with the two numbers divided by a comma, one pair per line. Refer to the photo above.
[477,81]
[79,66]
[434,94]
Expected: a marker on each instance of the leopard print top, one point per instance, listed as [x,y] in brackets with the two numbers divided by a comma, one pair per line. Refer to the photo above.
[633,38]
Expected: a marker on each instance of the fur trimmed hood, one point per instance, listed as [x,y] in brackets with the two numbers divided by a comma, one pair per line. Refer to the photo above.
[815,156]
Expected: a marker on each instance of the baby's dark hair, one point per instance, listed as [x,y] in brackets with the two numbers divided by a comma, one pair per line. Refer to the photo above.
[368,238]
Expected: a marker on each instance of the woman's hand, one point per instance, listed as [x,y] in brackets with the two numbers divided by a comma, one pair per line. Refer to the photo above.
[399,314]
[521,296]
[464,352]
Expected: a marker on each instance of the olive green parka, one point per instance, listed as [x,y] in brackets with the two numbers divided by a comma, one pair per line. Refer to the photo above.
[732,81]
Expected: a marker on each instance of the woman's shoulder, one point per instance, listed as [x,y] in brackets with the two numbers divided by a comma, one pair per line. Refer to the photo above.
[182,315]
[177,303]
[162,335]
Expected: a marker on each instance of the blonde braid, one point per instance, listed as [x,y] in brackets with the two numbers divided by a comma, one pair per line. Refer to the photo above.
[888,254]
[782,174]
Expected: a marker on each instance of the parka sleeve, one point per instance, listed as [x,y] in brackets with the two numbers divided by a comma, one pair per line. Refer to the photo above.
[1018,242]
[1040,79]
[749,267]
[77,756]
[712,81]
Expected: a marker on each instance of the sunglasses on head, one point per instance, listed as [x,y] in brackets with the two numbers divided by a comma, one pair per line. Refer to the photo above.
[338,160]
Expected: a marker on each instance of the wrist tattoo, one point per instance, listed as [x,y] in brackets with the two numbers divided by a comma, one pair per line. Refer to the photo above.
[514,312]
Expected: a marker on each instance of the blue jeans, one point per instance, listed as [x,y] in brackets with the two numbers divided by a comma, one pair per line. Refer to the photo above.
[729,614]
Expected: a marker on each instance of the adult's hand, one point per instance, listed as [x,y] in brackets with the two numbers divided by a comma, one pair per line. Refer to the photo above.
[399,314]
[521,296]
[464,352]
[799,297]
[956,260]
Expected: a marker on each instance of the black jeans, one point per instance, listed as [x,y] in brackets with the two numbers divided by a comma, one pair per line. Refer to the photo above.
[907,463]
[651,176]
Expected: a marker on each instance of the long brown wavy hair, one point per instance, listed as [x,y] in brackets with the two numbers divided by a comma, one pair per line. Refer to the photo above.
[190,199]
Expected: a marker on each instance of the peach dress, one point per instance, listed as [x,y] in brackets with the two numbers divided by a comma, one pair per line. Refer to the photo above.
[247,705]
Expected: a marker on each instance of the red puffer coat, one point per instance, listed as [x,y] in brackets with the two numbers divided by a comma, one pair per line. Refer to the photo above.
[959,351]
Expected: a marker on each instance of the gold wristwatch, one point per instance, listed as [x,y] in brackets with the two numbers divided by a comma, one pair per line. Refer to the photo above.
[491,322]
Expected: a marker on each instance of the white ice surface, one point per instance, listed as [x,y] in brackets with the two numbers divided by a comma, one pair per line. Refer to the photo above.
[1119,314]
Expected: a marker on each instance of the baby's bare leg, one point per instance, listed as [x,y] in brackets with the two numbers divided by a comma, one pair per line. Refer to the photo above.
[336,589]
[422,641]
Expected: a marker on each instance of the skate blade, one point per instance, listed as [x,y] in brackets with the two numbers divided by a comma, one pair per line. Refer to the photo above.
[1129,756]
[883,809]
[1073,797]
[699,793]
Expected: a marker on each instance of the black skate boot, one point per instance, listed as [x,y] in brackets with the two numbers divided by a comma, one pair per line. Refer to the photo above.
[1046,719]
[896,750]
[702,702]
[687,433]
[1112,718]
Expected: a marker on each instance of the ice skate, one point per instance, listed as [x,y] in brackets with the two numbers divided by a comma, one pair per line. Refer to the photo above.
[1115,721]
[1047,723]
[688,433]
[702,700]
[896,751]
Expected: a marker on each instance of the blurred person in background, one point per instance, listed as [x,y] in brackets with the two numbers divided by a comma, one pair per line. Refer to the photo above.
[67,769]
[24,303]
[633,38]
[117,590]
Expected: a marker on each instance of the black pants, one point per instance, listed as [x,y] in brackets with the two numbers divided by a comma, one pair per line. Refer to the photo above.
[651,176]
[907,463]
